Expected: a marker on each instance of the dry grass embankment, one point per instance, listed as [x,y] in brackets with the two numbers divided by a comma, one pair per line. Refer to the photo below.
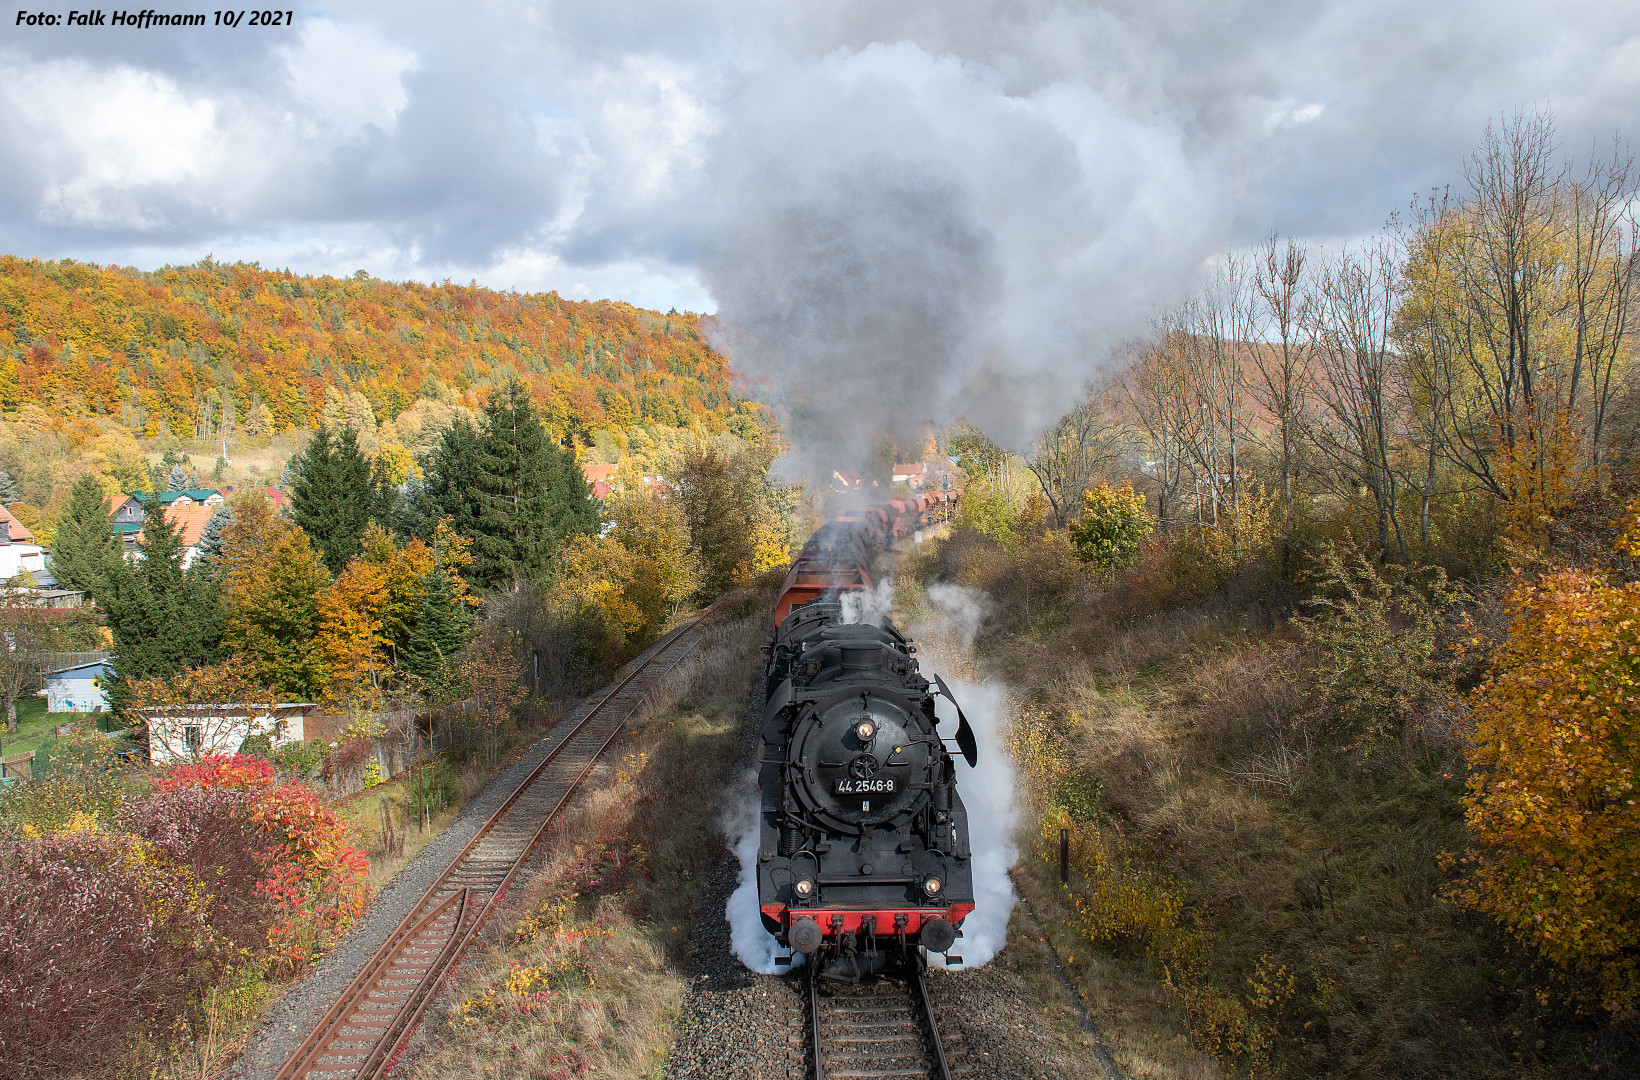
[580,975]
[1256,879]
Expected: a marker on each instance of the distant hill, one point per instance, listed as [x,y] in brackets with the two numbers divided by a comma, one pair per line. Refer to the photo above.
[158,349]
[100,366]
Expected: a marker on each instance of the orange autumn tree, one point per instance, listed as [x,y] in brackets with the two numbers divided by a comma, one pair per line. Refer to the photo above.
[1553,796]
[368,613]
[350,633]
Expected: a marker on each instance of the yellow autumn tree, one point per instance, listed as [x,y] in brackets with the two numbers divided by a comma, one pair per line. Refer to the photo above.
[351,610]
[1553,796]
[271,580]
[635,574]
[366,616]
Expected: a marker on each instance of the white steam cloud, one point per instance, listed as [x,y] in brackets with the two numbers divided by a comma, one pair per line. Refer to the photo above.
[904,238]
[987,789]
[871,605]
[747,937]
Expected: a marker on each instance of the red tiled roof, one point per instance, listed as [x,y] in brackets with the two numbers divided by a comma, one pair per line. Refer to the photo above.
[19,531]
[189,520]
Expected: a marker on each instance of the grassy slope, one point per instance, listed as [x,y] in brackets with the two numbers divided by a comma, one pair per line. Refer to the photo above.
[36,728]
[1309,937]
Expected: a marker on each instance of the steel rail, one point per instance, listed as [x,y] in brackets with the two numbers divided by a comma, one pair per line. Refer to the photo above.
[919,986]
[381,1051]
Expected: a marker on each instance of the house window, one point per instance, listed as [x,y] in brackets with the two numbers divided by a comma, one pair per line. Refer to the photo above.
[191,739]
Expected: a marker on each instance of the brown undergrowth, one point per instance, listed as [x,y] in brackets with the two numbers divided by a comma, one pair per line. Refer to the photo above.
[580,976]
[1254,881]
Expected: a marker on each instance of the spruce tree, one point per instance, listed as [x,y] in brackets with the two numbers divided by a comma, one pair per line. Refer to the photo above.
[8,490]
[177,480]
[86,549]
[530,494]
[163,619]
[330,495]
[210,537]
[440,630]
[452,480]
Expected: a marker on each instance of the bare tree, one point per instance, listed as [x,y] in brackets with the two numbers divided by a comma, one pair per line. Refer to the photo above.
[1157,392]
[1071,453]
[1505,282]
[26,635]
[1282,364]
[1211,335]
[1356,430]
[1606,258]
[1424,340]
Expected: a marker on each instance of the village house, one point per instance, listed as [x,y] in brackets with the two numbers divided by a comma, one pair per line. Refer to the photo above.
[598,478]
[913,475]
[189,732]
[19,554]
[130,510]
[846,479]
[189,522]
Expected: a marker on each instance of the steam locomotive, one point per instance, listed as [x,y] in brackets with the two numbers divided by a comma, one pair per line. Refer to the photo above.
[864,849]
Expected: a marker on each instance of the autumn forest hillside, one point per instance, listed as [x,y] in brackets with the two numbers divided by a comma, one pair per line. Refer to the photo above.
[102,367]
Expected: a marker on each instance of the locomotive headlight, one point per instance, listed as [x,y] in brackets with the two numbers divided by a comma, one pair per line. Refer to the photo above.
[932,885]
[804,888]
[865,729]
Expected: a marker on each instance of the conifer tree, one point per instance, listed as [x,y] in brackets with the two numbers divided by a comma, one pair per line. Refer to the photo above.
[330,495]
[530,494]
[452,478]
[178,479]
[210,537]
[441,627]
[85,550]
[163,619]
[8,490]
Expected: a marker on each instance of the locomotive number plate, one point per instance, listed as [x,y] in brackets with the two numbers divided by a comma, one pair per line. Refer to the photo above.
[884,786]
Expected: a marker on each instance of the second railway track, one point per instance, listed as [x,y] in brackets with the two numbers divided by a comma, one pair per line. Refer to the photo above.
[361,1034]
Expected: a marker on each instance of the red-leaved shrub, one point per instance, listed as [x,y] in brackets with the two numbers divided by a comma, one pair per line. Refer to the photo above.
[210,833]
[291,871]
[106,934]
[101,936]
[243,772]
[316,879]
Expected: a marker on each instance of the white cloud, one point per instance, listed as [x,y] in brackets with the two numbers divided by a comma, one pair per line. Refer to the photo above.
[1292,117]
[105,139]
[348,75]
[1091,149]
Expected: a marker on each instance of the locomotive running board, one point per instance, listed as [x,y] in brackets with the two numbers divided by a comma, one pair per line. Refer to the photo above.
[965,734]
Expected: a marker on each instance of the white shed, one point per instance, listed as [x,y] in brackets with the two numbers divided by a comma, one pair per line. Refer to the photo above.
[189,732]
[78,689]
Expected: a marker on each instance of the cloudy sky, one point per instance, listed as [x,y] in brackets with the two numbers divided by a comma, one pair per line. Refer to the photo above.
[985,192]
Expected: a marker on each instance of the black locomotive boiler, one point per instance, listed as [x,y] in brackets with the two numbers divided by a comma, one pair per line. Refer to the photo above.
[864,849]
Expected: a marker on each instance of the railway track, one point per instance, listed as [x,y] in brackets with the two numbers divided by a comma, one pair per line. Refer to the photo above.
[361,1035]
[881,1029]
